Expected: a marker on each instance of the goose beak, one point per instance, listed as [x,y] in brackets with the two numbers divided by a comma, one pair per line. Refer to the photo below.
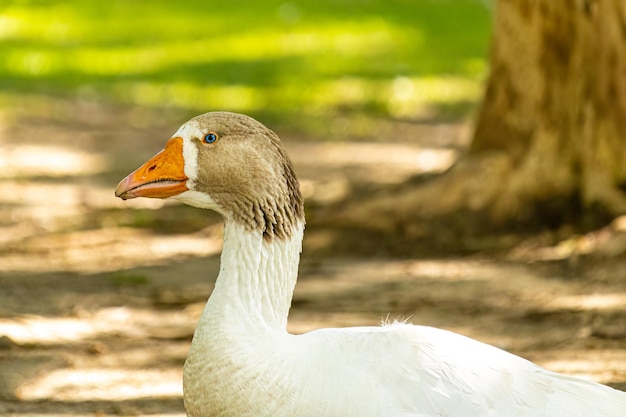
[161,177]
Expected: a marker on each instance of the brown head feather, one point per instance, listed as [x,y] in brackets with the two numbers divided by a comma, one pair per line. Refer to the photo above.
[248,174]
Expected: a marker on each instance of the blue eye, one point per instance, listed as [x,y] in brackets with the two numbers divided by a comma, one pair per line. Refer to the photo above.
[210,138]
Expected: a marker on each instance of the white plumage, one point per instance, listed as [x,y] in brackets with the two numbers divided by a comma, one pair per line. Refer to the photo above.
[242,361]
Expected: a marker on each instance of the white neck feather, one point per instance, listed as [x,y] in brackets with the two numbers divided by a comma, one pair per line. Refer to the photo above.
[256,280]
[242,335]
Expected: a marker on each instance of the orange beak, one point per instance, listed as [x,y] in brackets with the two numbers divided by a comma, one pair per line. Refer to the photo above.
[161,177]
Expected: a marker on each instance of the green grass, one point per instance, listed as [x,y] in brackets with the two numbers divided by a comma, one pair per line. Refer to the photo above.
[127,279]
[292,61]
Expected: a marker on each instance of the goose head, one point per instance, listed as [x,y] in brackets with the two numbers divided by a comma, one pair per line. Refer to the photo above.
[229,163]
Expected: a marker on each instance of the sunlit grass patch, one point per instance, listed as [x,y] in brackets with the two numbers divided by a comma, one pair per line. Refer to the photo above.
[286,60]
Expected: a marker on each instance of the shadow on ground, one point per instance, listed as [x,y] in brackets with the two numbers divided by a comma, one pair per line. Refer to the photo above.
[100,298]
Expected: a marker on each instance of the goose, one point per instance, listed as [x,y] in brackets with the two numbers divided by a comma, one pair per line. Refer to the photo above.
[243,362]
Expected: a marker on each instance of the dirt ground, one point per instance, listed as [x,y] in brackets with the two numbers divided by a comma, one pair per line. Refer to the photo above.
[99,298]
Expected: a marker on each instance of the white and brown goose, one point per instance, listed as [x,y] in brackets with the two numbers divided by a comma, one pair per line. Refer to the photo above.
[242,360]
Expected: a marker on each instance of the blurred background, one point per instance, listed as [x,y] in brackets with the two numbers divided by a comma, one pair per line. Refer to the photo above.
[291,64]
[99,297]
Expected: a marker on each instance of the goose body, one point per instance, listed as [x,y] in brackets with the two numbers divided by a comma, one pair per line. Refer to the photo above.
[243,362]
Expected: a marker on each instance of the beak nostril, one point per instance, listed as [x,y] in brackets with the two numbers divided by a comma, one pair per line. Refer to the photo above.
[152,168]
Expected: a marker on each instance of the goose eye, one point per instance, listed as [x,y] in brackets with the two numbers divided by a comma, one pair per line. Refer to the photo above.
[209,138]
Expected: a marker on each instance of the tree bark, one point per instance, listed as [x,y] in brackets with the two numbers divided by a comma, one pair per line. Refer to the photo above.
[555,107]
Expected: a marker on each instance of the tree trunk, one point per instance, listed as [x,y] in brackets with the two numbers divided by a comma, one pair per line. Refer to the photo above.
[555,108]
[550,141]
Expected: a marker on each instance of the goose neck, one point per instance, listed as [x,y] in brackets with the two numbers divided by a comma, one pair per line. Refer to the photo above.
[257,278]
